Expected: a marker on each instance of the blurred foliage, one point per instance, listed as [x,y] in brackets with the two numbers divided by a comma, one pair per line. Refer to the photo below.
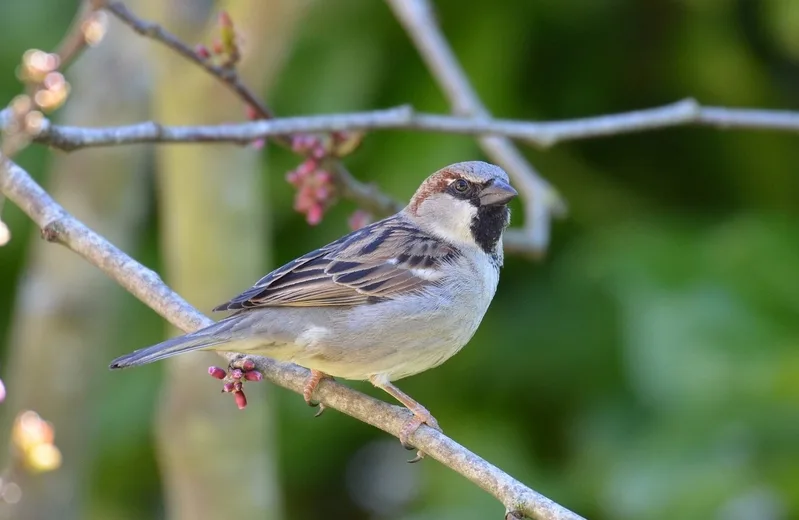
[646,369]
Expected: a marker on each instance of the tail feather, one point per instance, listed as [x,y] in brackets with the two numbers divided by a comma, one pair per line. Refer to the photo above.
[202,339]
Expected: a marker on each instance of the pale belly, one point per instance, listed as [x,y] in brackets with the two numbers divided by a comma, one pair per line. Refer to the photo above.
[398,344]
[391,339]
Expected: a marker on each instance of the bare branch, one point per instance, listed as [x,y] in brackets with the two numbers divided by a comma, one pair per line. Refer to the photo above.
[77,36]
[227,75]
[59,226]
[547,133]
[541,200]
[368,196]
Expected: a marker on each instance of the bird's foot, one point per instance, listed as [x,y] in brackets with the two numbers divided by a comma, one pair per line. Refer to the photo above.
[308,389]
[420,416]
[239,370]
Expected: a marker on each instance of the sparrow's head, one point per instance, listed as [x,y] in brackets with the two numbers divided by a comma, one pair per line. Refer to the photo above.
[466,203]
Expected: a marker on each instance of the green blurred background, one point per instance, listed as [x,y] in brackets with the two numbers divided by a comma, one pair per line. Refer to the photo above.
[647,368]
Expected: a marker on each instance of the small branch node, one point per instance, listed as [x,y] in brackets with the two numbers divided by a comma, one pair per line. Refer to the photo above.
[53,231]
[690,106]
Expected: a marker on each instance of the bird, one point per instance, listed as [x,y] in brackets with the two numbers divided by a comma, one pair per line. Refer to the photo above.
[390,300]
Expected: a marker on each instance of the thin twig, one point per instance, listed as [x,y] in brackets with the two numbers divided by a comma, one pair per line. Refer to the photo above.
[227,75]
[59,226]
[74,41]
[541,200]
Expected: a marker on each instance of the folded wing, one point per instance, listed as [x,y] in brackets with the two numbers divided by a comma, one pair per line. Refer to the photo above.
[381,261]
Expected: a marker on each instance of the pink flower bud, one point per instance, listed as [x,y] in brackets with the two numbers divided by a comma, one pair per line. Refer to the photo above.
[322,193]
[224,19]
[324,176]
[307,167]
[300,143]
[202,51]
[237,386]
[227,387]
[248,365]
[241,400]
[314,215]
[250,112]
[253,375]
[294,177]
[303,201]
[216,372]
[236,373]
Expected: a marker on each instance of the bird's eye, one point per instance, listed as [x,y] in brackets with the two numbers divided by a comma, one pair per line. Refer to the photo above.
[460,185]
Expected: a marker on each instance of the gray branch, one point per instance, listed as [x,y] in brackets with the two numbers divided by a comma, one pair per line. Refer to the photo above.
[543,134]
[59,226]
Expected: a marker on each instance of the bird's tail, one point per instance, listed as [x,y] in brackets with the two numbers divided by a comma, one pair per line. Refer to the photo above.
[202,339]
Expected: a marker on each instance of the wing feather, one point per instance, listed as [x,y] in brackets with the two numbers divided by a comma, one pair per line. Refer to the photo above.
[381,261]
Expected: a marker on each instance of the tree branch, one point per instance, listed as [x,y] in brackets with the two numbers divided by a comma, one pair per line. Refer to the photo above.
[75,40]
[59,226]
[544,134]
[227,75]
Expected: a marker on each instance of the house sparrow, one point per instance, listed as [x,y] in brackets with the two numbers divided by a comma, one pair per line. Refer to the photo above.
[390,300]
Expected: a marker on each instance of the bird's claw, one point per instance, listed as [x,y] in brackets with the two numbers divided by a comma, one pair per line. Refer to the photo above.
[419,456]
[321,406]
[420,416]
[311,382]
[239,371]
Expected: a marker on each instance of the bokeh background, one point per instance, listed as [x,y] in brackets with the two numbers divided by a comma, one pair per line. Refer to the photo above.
[647,368]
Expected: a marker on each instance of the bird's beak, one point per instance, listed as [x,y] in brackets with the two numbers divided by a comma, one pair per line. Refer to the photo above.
[498,192]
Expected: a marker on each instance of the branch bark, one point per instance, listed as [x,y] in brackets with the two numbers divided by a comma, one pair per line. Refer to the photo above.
[543,134]
[228,75]
[59,226]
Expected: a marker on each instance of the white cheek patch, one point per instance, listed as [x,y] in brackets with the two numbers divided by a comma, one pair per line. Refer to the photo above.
[449,218]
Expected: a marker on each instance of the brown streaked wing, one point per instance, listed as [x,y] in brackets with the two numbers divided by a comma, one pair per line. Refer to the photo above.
[378,262]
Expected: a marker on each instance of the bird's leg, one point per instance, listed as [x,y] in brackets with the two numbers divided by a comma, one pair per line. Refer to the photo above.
[239,370]
[420,414]
[311,383]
